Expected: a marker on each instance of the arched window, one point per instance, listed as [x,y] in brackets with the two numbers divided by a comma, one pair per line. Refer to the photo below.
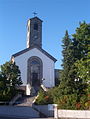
[35,66]
[35,26]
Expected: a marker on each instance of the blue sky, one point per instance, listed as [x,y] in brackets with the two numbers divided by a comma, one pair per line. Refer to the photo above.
[57,16]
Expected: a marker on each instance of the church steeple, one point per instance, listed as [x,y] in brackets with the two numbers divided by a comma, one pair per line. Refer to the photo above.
[34,32]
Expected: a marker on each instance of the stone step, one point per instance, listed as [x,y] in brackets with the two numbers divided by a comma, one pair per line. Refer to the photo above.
[25,101]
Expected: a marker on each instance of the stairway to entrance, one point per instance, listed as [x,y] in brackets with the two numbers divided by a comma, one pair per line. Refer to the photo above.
[25,101]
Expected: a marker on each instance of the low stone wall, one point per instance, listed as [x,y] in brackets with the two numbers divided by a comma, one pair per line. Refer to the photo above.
[72,114]
[45,110]
[14,111]
[42,108]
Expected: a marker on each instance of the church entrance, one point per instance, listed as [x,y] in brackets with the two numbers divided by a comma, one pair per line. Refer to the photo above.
[35,80]
[35,72]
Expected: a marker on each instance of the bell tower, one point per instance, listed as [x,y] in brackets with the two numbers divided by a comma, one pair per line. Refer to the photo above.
[34,32]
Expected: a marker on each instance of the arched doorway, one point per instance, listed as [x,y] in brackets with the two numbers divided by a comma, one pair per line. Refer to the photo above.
[34,73]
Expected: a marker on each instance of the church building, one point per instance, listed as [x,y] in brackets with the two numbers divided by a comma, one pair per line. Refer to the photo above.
[36,65]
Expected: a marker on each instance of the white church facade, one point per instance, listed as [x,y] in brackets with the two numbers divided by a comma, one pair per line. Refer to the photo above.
[34,62]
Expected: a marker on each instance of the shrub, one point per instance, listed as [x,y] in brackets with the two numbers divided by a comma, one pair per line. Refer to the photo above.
[44,98]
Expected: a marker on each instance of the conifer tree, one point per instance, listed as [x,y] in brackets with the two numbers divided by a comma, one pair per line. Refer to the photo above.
[76,54]
[67,63]
[83,63]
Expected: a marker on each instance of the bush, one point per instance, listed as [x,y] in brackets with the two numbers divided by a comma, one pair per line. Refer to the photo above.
[8,94]
[70,101]
[44,98]
[49,97]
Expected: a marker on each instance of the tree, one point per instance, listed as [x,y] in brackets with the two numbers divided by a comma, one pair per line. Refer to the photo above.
[76,71]
[9,79]
[83,64]
[67,63]
[83,37]
[11,73]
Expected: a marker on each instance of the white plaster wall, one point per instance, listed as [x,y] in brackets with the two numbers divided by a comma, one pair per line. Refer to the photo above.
[48,66]
[80,114]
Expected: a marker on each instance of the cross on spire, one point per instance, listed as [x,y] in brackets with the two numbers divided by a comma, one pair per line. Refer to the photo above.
[34,13]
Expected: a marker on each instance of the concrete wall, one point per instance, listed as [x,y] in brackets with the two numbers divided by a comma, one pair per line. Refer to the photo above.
[44,109]
[48,66]
[75,114]
[13,111]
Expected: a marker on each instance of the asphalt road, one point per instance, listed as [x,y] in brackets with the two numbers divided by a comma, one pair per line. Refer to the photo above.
[13,118]
[22,118]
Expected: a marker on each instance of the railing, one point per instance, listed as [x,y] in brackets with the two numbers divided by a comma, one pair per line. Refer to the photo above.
[44,88]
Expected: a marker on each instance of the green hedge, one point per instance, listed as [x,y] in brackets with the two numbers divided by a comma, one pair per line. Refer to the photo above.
[70,101]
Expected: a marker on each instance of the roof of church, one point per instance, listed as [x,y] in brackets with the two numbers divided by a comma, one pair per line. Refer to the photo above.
[35,18]
[27,49]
